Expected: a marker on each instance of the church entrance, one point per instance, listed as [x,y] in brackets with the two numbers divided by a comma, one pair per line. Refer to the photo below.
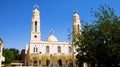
[47,62]
[34,61]
[60,63]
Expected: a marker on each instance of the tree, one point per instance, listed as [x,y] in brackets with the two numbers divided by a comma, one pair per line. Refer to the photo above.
[11,54]
[99,42]
[16,53]
[8,55]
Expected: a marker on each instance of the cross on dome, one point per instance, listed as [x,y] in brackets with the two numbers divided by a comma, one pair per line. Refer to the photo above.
[36,6]
[51,31]
[75,11]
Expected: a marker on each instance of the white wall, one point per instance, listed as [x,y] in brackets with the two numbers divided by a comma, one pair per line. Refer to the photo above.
[53,48]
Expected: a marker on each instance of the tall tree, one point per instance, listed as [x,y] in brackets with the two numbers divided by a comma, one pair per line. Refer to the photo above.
[100,41]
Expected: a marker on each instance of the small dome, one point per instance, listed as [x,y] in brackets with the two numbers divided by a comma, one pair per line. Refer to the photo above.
[52,38]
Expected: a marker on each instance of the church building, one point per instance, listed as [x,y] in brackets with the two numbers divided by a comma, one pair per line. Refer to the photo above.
[50,52]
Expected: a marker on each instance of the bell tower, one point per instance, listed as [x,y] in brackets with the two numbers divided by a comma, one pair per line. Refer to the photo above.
[35,26]
[76,23]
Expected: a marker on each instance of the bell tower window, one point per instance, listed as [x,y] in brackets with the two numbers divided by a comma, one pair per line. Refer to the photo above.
[35,26]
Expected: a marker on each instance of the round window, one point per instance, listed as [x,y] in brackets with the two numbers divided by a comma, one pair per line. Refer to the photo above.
[35,36]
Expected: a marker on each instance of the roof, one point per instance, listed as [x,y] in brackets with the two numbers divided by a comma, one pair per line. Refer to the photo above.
[52,38]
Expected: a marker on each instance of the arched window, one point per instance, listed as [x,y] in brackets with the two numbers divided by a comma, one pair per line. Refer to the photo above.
[35,26]
[34,49]
[59,49]
[70,49]
[47,49]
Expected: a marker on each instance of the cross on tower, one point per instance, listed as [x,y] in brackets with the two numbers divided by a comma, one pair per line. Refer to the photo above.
[75,11]
[36,6]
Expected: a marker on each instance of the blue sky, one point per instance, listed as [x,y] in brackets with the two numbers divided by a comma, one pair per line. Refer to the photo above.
[15,18]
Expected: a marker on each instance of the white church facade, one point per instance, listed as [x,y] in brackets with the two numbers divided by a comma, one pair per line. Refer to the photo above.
[50,52]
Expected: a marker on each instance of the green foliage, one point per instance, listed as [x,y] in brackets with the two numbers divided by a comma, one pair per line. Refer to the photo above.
[8,55]
[100,41]
[11,54]
[16,54]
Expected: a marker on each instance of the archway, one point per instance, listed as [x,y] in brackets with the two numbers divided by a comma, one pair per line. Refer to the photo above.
[60,62]
[34,61]
[47,62]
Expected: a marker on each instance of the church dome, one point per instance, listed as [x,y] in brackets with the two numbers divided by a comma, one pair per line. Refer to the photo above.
[52,38]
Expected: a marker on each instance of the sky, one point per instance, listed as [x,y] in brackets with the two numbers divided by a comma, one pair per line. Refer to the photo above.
[15,18]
